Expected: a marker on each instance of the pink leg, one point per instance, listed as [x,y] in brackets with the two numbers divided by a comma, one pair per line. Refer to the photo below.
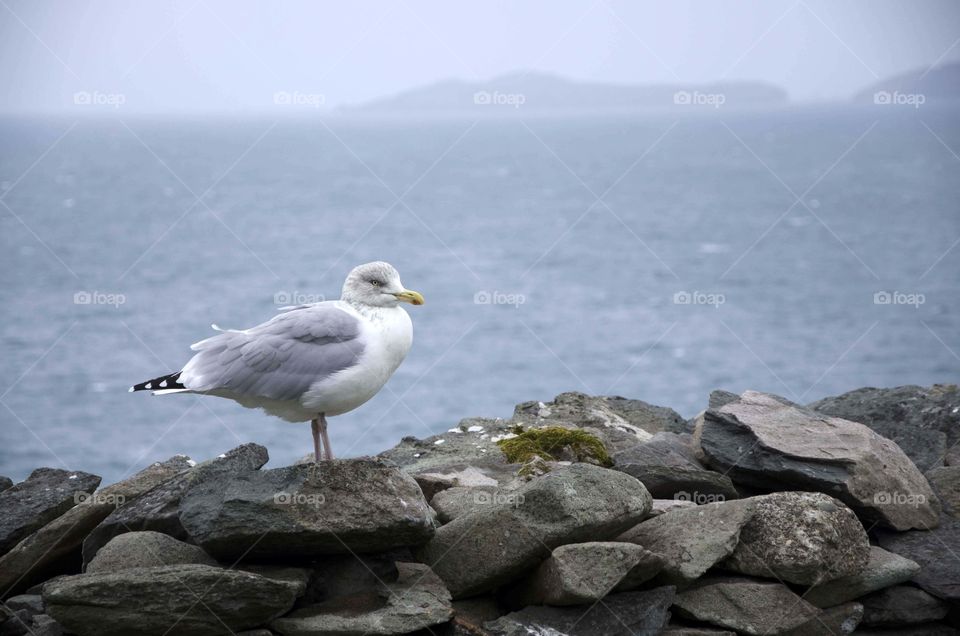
[327,449]
[315,427]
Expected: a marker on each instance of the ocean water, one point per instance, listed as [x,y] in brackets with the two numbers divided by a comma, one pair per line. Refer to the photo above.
[655,258]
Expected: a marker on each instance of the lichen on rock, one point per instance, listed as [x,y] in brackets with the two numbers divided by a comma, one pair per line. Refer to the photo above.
[549,443]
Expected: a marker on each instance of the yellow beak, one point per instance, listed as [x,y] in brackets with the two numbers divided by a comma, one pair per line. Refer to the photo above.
[410,296]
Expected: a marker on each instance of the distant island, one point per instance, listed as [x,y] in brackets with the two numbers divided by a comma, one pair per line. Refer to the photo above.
[916,87]
[543,93]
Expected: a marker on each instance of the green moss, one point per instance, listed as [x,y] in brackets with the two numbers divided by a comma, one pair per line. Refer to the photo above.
[549,442]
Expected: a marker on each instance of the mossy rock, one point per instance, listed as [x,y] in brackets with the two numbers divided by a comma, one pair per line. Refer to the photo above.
[548,443]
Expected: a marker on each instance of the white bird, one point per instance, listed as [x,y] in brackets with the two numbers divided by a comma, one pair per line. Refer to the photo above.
[310,362]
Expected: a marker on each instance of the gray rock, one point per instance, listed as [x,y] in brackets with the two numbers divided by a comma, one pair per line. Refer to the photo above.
[149,601]
[883,569]
[945,481]
[625,614]
[900,605]
[158,508]
[297,579]
[800,537]
[31,603]
[45,495]
[687,484]
[333,507]
[663,449]
[927,629]
[52,548]
[766,442]
[681,630]
[145,549]
[459,500]
[16,624]
[661,506]
[923,421]
[568,505]
[692,540]
[745,605]
[417,600]
[627,421]
[44,625]
[5,482]
[836,621]
[350,575]
[939,574]
[575,574]
[648,566]
[719,398]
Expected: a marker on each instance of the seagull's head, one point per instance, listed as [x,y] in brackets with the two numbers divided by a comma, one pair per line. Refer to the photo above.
[377,284]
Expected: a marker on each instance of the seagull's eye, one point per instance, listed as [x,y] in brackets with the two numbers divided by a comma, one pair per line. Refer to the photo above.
[376,283]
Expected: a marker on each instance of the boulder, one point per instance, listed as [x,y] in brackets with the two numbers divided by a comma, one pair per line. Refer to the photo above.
[766,442]
[164,600]
[923,421]
[692,540]
[835,621]
[349,575]
[45,495]
[575,574]
[686,484]
[459,500]
[145,549]
[901,605]
[332,507]
[5,482]
[158,509]
[625,614]
[648,566]
[883,569]
[571,504]
[52,549]
[945,481]
[934,551]
[745,605]
[417,600]
[661,506]
[800,537]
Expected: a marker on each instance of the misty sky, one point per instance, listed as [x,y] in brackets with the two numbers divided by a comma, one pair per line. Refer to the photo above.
[225,55]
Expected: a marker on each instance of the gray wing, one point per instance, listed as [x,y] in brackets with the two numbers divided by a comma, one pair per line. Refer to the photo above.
[278,359]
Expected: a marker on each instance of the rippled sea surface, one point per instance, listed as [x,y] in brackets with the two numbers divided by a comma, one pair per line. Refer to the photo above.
[652,258]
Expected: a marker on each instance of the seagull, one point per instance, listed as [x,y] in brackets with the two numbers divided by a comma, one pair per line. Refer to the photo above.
[310,362]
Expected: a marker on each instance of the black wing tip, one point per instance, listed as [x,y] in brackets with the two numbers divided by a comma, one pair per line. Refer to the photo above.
[163,382]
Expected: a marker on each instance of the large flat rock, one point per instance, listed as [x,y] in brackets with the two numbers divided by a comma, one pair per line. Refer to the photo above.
[486,548]
[164,600]
[333,507]
[935,551]
[883,569]
[766,442]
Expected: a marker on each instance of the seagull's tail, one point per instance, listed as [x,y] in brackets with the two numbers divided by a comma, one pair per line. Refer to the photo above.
[161,385]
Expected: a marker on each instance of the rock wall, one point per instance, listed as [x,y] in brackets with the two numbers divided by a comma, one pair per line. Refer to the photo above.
[758,516]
